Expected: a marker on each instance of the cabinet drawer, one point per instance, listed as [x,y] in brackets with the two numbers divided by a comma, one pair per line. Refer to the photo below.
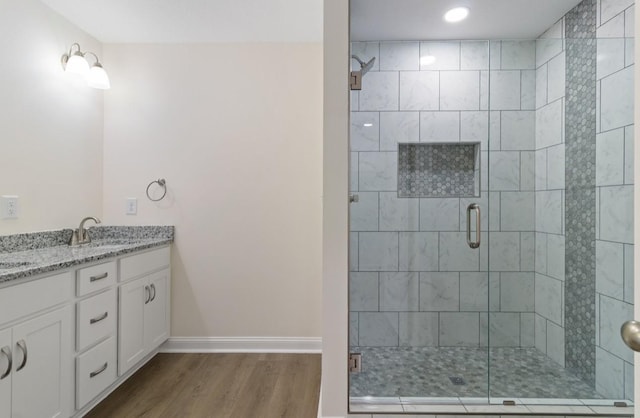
[95,371]
[144,263]
[96,318]
[94,278]
[31,297]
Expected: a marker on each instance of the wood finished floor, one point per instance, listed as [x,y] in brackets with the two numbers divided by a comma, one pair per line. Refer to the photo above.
[220,386]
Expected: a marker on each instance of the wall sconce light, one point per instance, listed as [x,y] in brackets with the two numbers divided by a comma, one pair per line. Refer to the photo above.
[76,63]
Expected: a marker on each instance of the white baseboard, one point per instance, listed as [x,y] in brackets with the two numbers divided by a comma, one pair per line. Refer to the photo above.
[242,345]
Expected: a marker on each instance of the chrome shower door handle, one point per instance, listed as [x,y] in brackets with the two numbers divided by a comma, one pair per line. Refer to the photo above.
[473,207]
[630,332]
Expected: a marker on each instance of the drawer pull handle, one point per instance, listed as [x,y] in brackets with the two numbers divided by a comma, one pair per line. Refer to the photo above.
[153,287]
[100,370]
[99,318]
[22,345]
[100,277]
[7,352]
[147,291]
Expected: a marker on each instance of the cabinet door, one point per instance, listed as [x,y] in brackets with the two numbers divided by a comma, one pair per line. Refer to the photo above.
[6,352]
[131,347]
[42,366]
[156,314]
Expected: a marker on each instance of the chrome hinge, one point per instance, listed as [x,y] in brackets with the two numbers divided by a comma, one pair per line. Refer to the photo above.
[354,198]
[355,80]
[355,363]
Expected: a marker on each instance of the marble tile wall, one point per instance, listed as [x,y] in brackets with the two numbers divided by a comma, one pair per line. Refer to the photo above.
[414,280]
[614,196]
[567,189]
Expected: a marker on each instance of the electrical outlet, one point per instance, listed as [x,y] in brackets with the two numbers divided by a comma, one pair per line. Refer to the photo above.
[9,205]
[132,206]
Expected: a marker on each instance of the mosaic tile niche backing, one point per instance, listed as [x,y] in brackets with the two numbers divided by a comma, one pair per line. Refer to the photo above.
[580,217]
[438,170]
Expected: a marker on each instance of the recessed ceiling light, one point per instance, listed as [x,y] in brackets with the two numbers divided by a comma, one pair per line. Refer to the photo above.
[427,60]
[368,125]
[456,14]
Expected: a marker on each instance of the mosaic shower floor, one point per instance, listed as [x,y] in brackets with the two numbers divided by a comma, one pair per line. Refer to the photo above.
[426,372]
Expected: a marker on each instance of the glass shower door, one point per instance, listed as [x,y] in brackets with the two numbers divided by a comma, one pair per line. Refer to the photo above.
[513,358]
[561,224]
[419,282]
[539,134]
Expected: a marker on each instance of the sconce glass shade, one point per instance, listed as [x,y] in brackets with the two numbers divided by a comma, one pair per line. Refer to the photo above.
[98,78]
[77,64]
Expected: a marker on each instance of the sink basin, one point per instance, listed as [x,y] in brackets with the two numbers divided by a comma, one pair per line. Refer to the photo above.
[5,265]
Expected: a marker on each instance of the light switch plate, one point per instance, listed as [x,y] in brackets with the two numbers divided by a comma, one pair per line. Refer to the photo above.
[132,206]
[9,207]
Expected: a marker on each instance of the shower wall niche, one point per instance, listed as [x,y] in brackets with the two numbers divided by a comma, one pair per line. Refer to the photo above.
[439,170]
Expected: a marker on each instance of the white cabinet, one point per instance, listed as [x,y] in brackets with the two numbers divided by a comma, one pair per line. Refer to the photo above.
[131,346]
[156,323]
[95,278]
[144,263]
[6,357]
[96,364]
[41,373]
[96,319]
[95,371]
[143,318]
[68,333]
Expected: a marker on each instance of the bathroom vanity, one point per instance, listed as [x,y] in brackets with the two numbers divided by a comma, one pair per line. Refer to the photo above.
[75,322]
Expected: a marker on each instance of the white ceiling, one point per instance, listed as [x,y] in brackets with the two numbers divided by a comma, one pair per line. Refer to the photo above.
[395,20]
[184,21]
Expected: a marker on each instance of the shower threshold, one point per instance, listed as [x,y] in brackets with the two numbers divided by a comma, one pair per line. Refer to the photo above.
[478,380]
[499,406]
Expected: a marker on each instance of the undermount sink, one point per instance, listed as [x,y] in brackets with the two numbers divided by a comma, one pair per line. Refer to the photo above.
[5,265]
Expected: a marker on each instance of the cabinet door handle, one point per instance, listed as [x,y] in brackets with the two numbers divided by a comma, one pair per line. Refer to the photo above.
[100,370]
[22,345]
[99,318]
[153,287]
[147,292]
[99,277]
[7,352]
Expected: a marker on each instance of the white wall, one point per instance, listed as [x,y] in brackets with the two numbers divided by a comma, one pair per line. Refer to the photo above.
[236,130]
[50,124]
[335,235]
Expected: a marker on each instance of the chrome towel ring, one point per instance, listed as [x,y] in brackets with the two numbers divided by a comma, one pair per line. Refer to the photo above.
[160,182]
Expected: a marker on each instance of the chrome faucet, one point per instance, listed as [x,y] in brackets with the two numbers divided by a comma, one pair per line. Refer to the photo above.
[80,235]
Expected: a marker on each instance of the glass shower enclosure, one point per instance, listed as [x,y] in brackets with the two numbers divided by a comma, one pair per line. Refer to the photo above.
[491,239]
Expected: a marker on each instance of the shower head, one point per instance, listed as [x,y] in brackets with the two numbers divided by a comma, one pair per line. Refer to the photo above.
[364,66]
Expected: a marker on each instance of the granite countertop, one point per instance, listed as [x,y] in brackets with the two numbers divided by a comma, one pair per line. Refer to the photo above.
[25,255]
